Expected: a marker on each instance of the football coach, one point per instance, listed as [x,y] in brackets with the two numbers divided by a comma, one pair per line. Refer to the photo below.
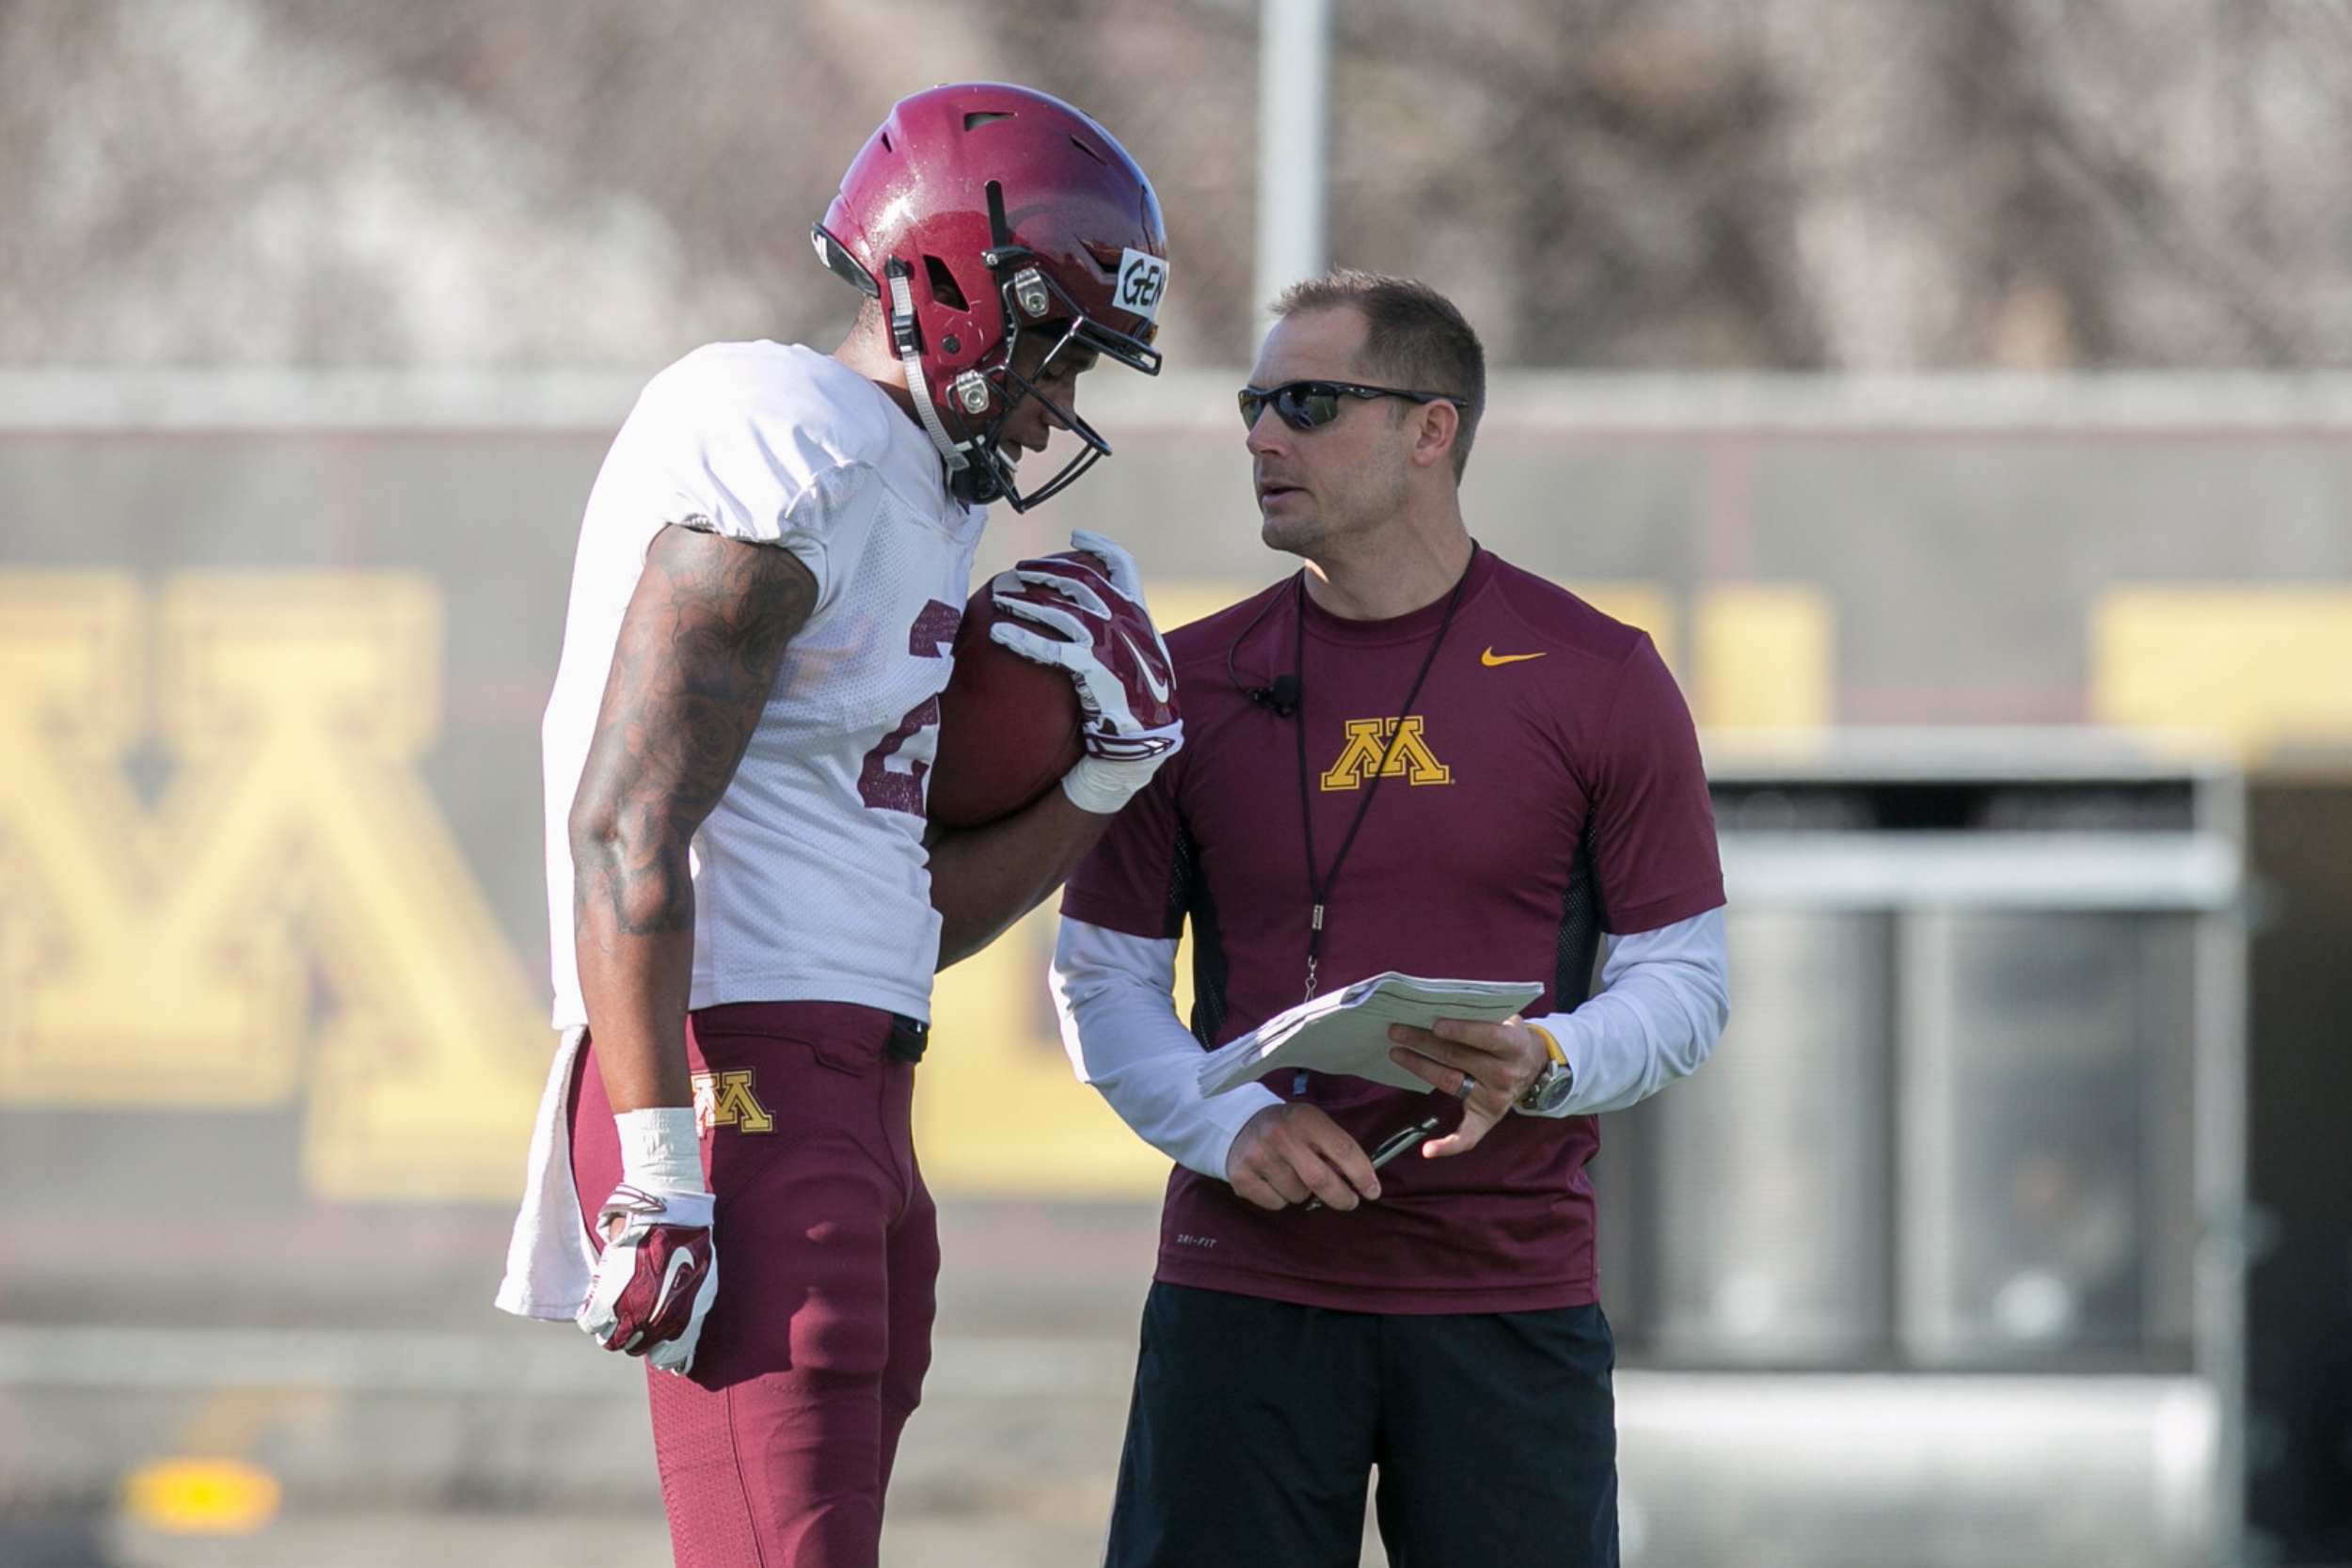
[1409,756]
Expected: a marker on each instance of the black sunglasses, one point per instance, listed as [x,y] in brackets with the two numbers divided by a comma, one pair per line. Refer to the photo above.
[1304,405]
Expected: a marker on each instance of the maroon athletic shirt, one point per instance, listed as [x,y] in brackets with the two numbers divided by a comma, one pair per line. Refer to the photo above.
[1549,788]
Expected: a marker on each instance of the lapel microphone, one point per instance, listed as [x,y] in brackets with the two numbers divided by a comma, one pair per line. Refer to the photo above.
[1282,697]
[1279,696]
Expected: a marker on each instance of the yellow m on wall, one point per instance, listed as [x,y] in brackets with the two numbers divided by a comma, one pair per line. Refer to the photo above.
[292,916]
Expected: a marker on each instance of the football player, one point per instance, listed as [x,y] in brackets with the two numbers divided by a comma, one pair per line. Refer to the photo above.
[746,906]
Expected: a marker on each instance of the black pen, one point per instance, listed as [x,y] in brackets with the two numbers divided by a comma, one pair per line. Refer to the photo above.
[1412,1137]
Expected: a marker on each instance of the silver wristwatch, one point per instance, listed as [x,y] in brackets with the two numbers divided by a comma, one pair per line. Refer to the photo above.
[1553,1087]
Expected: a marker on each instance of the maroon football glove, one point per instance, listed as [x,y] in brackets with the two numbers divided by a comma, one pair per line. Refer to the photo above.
[1088,603]
[656,1277]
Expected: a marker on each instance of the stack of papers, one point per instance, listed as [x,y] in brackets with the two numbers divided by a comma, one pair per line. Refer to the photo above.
[1347,1031]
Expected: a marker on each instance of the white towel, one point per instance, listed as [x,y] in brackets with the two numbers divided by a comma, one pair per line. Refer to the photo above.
[551,1258]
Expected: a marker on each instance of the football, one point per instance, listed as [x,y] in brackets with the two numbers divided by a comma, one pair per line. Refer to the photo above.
[1008,728]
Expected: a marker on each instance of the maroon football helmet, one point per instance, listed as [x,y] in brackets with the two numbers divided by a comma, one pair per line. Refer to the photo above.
[979,212]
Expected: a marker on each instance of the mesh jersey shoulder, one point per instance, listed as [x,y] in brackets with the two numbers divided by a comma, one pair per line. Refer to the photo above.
[766,422]
[827,408]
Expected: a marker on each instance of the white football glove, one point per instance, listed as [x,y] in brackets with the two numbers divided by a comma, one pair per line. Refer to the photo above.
[1085,615]
[658,1274]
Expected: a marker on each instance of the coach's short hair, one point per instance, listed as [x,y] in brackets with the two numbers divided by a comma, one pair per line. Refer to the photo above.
[1414,338]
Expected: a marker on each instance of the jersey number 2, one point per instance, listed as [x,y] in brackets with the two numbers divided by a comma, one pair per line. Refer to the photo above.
[886,788]
[879,785]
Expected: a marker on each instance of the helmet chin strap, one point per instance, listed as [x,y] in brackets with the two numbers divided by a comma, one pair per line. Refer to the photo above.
[909,346]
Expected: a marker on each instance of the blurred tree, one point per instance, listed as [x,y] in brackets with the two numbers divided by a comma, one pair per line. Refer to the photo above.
[1881,184]
[1608,175]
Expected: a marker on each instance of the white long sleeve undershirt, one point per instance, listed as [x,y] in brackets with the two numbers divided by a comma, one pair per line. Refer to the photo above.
[1664,999]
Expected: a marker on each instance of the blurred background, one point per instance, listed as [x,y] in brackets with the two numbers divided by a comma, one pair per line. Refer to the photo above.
[1955,389]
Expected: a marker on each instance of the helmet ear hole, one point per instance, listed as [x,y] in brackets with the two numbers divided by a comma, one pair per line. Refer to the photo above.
[944,286]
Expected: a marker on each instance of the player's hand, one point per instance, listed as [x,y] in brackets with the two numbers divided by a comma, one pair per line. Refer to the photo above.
[1082,612]
[655,1278]
[1485,1066]
[1288,1153]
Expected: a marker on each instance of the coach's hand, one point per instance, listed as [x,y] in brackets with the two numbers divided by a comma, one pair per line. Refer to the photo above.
[1485,1066]
[1288,1153]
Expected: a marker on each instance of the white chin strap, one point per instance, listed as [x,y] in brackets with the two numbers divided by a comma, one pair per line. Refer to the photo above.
[909,347]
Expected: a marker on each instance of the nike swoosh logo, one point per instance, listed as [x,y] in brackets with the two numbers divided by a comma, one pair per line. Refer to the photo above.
[680,1261]
[1490,659]
[1158,688]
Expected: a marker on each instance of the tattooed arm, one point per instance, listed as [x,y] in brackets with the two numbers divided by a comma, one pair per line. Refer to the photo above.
[698,649]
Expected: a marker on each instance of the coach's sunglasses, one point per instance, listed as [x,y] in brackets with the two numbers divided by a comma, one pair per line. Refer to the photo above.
[1306,404]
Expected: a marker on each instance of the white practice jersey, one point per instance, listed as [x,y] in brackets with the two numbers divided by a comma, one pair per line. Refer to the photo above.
[810,878]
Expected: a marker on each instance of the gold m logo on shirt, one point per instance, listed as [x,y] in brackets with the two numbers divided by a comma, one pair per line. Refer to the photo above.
[724,1099]
[1386,747]
[290,922]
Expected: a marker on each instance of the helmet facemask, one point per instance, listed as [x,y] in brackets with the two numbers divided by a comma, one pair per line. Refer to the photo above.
[1028,292]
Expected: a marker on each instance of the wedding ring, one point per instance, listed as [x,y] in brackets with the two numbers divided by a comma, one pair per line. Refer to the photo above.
[1462,1089]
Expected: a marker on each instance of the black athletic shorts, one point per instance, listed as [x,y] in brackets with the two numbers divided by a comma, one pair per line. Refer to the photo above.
[1256,1424]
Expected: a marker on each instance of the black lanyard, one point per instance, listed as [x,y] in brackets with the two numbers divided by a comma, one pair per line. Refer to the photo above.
[1319,888]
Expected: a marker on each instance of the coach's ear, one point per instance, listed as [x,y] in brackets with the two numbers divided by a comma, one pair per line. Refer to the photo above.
[1433,434]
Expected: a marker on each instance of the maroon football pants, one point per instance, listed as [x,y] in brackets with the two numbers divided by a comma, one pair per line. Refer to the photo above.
[776,1450]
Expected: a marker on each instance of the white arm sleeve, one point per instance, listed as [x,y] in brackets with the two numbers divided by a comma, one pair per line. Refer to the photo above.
[1115,996]
[1664,997]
